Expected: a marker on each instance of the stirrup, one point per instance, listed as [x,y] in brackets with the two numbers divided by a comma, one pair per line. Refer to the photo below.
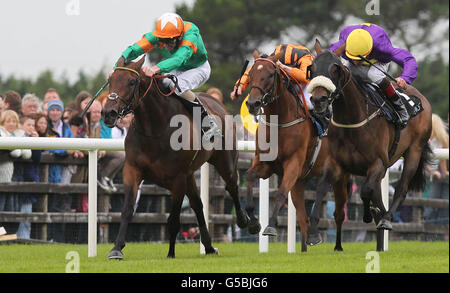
[212,130]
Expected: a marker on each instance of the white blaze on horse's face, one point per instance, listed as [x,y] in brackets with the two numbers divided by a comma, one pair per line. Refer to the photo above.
[259,67]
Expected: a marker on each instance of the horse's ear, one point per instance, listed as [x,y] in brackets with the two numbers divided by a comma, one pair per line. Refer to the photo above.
[318,47]
[255,54]
[121,62]
[339,51]
[140,62]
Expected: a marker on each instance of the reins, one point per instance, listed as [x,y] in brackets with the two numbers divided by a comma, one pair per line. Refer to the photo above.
[268,97]
[129,102]
[338,93]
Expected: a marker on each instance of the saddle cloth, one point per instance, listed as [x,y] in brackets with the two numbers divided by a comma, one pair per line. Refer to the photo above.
[412,103]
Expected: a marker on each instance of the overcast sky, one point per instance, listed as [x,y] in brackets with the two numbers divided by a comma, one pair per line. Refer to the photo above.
[69,35]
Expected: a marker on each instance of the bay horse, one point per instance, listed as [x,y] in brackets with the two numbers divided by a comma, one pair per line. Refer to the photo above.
[297,141]
[150,156]
[360,141]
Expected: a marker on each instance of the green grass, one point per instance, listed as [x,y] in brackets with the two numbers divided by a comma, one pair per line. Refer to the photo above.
[402,257]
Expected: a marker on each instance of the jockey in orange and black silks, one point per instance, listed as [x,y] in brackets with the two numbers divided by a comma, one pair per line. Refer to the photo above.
[295,60]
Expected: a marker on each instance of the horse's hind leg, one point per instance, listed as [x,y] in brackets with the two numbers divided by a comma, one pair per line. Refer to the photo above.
[226,166]
[131,180]
[197,206]
[410,167]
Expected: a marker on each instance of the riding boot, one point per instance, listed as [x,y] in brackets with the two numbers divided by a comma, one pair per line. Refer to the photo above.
[400,108]
[211,128]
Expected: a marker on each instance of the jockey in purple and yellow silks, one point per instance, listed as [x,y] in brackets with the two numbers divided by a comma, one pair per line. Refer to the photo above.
[372,42]
[185,56]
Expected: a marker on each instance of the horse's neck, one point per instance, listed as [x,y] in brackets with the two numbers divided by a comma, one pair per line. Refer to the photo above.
[350,107]
[155,111]
[285,106]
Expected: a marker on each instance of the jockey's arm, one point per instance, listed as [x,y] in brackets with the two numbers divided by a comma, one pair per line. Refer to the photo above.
[241,84]
[299,73]
[182,54]
[144,45]
[407,61]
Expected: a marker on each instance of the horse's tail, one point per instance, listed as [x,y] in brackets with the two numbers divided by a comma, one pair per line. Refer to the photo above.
[418,181]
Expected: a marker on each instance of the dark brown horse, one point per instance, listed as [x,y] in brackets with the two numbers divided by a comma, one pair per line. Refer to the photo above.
[297,141]
[150,155]
[360,142]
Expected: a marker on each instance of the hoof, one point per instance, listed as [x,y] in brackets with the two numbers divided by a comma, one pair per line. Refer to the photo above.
[314,239]
[270,231]
[367,218]
[254,227]
[384,225]
[213,251]
[243,221]
[115,254]
[338,249]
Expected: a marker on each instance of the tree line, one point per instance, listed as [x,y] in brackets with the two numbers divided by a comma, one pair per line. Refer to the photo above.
[232,29]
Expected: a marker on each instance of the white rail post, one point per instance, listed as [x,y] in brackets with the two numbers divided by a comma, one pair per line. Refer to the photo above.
[292,214]
[385,199]
[204,195]
[263,213]
[92,208]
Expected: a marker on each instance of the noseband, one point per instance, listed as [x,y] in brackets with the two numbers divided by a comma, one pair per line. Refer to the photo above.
[128,103]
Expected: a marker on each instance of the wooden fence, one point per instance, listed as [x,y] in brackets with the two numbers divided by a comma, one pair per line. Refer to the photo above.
[219,221]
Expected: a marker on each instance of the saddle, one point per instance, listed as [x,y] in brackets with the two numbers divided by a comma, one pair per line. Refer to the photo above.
[376,97]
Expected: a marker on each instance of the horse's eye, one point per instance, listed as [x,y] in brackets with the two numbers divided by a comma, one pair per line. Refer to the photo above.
[132,82]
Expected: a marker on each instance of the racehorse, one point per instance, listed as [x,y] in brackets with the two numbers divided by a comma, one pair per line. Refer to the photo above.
[363,143]
[298,148]
[150,156]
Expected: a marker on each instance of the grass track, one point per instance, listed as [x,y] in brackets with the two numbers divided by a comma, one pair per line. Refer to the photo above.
[402,257]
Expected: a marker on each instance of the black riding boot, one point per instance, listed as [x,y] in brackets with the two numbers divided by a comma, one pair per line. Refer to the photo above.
[212,128]
[400,108]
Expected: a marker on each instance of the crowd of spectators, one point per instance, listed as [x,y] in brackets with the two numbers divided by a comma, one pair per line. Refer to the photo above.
[30,116]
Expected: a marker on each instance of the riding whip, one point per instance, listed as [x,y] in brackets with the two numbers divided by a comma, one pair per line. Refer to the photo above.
[242,73]
[372,64]
[96,95]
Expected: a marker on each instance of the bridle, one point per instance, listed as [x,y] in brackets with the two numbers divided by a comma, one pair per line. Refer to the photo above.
[268,97]
[129,102]
[338,92]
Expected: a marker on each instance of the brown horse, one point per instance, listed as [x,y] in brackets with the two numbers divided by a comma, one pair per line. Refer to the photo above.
[297,141]
[360,141]
[150,155]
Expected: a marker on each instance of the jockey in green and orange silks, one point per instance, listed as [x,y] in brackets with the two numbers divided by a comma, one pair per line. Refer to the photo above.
[184,52]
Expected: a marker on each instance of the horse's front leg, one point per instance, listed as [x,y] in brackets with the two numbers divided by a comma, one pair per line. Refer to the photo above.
[131,180]
[197,206]
[291,172]
[314,236]
[177,191]
[258,170]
